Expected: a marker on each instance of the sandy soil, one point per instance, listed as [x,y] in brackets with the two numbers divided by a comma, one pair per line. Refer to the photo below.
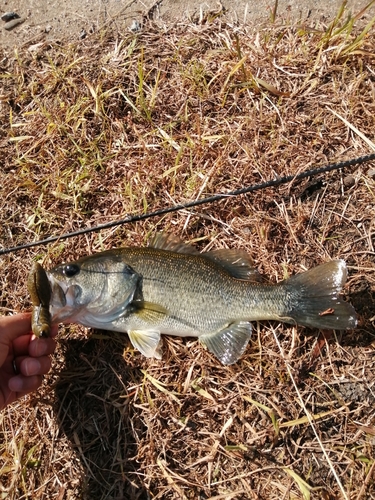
[75,19]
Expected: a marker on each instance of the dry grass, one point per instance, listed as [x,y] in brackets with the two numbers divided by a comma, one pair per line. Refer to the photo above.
[121,124]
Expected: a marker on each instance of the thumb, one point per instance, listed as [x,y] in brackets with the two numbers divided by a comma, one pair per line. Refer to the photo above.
[12,327]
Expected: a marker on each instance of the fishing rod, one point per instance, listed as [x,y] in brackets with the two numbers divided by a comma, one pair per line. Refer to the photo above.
[203,201]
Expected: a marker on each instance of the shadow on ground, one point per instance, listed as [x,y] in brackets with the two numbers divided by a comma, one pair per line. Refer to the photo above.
[362,297]
[96,414]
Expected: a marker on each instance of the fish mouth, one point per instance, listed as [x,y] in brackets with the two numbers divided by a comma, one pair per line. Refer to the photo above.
[63,305]
[58,298]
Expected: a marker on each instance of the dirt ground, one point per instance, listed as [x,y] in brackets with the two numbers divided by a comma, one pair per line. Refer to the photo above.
[103,123]
[75,19]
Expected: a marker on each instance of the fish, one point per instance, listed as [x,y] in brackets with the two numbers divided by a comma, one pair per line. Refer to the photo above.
[170,288]
[40,292]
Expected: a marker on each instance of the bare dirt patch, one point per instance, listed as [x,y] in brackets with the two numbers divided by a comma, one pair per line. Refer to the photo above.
[72,20]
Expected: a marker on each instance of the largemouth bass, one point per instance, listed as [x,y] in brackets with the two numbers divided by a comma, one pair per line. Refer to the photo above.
[170,288]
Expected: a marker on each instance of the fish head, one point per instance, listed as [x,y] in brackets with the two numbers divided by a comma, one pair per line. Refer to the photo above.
[93,291]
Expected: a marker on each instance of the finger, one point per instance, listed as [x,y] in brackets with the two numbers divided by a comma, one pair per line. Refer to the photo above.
[54,330]
[26,344]
[40,347]
[21,345]
[24,385]
[12,327]
[33,366]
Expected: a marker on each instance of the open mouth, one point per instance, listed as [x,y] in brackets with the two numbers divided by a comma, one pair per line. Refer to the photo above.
[62,303]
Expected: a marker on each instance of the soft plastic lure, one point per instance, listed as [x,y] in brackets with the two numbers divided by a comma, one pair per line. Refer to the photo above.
[40,292]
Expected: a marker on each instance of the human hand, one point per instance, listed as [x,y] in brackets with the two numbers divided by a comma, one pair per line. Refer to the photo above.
[23,357]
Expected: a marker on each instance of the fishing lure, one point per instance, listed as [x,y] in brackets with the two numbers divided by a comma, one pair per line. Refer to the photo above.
[40,292]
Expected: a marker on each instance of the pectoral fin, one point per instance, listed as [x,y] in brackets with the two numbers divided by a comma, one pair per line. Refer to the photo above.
[147,342]
[229,344]
[149,312]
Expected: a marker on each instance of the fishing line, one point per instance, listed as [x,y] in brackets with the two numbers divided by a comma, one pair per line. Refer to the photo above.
[195,203]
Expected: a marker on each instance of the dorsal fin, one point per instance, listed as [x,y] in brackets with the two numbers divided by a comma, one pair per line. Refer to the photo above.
[173,243]
[237,262]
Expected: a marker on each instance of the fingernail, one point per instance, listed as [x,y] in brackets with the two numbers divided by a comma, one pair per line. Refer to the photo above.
[31,366]
[15,384]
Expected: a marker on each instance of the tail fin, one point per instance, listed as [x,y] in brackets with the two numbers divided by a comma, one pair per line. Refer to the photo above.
[315,300]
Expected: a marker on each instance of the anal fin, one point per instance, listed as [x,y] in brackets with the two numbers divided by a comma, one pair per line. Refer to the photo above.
[229,344]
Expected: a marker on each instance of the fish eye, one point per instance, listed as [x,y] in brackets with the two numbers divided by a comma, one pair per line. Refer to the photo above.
[71,270]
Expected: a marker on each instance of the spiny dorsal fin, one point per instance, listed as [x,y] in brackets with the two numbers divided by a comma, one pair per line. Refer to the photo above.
[173,243]
[229,344]
[237,262]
